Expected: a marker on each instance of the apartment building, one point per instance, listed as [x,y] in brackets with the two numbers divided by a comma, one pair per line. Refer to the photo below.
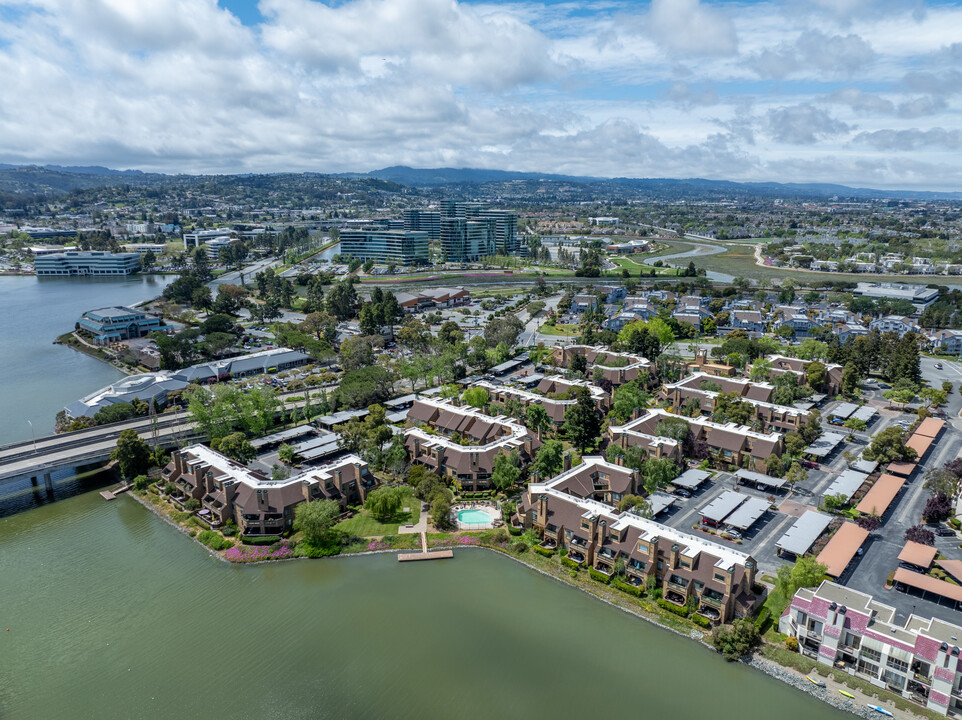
[617,368]
[728,444]
[782,364]
[895,323]
[718,580]
[556,408]
[771,417]
[851,631]
[462,443]
[259,505]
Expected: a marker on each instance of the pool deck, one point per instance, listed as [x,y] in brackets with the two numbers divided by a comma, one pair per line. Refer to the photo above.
[424,554]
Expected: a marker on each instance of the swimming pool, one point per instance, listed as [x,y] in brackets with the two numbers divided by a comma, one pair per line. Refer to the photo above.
[474,517]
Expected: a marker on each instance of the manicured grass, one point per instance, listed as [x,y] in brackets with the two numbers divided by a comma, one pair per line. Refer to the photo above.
[363,525]
[562,330]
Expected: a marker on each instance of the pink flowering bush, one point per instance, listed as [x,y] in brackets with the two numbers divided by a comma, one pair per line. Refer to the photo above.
[259,553]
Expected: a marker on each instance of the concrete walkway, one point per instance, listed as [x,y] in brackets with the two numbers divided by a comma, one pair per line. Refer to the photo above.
[421,526]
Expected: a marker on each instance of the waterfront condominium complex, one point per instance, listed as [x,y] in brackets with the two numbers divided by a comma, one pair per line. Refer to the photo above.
[405,247]
[94,262]
[847,629]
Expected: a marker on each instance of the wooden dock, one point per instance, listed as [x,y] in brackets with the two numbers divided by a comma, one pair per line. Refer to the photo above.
[424,554]
[112,495]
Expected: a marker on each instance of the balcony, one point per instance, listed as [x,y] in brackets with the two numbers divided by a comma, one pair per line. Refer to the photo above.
[708,599]
[578,542]
[602,568]
[674,597]
[549,543]
[576,556]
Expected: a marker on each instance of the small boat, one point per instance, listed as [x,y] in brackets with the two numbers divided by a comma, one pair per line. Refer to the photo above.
[817,683]
[880,709]
[846,694]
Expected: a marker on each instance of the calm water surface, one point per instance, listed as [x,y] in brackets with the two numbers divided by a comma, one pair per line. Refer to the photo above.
[37,378]
[113,614]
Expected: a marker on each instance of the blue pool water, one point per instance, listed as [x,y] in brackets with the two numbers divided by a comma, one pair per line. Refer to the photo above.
[474,517]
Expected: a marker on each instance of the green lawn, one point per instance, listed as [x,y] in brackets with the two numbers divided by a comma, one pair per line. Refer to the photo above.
[562,330]
[363,525]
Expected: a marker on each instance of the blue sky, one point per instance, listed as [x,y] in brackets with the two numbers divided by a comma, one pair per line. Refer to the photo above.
[863,92]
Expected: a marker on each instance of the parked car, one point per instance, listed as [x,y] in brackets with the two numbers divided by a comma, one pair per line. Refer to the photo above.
[941,530]
[735,534]
[810,464]
[681,492]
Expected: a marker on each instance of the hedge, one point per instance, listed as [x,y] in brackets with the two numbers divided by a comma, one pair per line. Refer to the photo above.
[515,531]
[214,541]
[569,563]
[627,588]
[260,539]
[701,620]
[671,607]
[956,523]
[598,576]
[543,551]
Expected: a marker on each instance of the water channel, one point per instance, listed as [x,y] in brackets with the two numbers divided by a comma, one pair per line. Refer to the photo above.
[37,378]
[114,614]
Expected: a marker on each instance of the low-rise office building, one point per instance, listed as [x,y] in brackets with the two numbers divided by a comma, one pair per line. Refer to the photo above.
[92,262]
[851,631]
[404,247]
[110,324]
[228,490]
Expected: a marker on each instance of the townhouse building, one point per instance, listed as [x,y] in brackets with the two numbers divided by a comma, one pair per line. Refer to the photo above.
[617,368]
[849,630]
[946,341]
[747,320]
[770,416]
[850,331]
[718,580]
[229,490]
[555,407]
[898,324]
[725,444]
[462,443]
[833,372]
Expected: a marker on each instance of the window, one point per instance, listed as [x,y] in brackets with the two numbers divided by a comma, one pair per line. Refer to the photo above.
[719,577]
[897,664]
[871,654]
[868,668]
[685,564]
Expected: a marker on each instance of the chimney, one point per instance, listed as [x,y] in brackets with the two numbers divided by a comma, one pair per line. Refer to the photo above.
[262,503]
[567,461]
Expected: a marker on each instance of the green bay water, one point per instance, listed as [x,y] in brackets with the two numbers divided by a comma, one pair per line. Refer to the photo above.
[37,378]
[114,614]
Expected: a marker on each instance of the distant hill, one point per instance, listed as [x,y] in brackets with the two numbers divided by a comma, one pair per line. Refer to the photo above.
[437,177]
[55,180]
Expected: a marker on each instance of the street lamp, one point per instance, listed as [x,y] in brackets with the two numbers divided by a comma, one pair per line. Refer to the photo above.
[34,436]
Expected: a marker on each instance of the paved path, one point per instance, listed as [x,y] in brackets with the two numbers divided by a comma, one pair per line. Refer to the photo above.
[421,526]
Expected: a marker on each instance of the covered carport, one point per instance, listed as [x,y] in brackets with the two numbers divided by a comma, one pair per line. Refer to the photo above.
[748,513]
[837,555]
[760,480]
[803,534]
[928,585]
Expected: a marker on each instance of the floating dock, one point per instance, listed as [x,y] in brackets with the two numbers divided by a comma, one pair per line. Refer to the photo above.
[424,554]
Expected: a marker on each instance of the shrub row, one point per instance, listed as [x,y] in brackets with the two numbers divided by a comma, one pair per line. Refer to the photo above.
[569,563]
[260,539]
[515,531]
[627,588]
[598,576]
[543,551]
[671,607]
[956,523]
[701,620]
[214,541]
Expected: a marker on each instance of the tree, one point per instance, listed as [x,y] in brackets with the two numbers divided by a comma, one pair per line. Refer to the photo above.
[919,534]
[426,484]
[868,522]
[366,386]
[475,397]
[675,428]
[355,353]
[582,424]
[636,504]
[286,454]
[627,399]
[729,407]
[384,502]
[794,444]
[440,510]
[835,502]
[503,330]
[578,365]
[507,470]
[450,333]
[889,446]
[937,508]
[850,380]
[658,473]
[316,520]
[941,481]
[550,459]
[816,374]
[796,473]
[737,640]
[132,454]
[320,324]
[761,370]
[342,301]
[933,397]
[537,419]
[806,572]
[900,397]
[237,447]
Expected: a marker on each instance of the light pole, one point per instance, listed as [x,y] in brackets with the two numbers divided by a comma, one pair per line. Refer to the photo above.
[34,436]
